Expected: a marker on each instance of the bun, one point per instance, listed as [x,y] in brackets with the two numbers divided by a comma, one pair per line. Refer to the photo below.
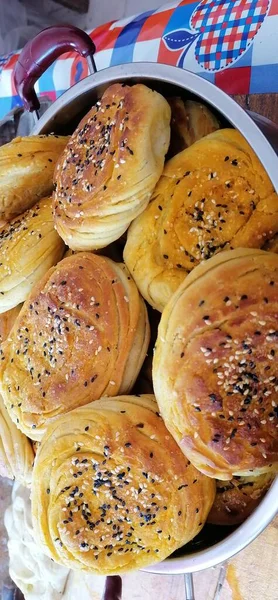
[110,166]
[190,122]
[215,375]
[16,453]
[26,171]
[29,246]
[83,332]
[111,490]
[235,500]
[214,195]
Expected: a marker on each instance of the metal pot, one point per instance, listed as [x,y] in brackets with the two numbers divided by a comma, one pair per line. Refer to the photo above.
[62,117]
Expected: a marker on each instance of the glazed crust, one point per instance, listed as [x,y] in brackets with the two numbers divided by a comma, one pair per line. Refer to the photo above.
[221,407]
[214,195]
[29,246]
[16,453]
[111,490]
[235,500]
[83,332]
[110,166]
[26,171]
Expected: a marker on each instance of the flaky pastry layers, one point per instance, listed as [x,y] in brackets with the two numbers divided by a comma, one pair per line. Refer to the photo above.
[26,171]
[235,500]
[214,195]
[215,366]
[16,453]
[29,246]
[112,491]
[83,332]
[110,166]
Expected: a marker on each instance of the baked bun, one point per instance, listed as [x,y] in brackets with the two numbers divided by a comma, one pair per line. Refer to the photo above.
[26,171]
[235,500]
[215,367]
[190,121]
[82,333]
[111,490]
[213,196]
[16,453]
[108,171]
[29,246]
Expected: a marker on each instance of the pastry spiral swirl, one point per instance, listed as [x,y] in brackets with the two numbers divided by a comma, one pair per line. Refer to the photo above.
[110,166]
[112,491]
[16,452]
[82,333]
[213,196]
[215,366]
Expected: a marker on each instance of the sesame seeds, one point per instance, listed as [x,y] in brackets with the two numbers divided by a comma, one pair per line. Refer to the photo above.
[244,392]
[206,319]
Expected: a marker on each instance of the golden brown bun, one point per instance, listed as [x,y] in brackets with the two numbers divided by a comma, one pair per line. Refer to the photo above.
[82,333]
[190,121]
[235,500]
[215,365]
[111,490]
[110,166]
[26,171]
[16,453]
[214,195]
[29,246]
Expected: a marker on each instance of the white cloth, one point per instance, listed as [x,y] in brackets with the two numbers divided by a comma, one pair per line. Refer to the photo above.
[38,577]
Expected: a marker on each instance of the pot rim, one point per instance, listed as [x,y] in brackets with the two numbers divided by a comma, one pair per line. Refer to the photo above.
[229,546]
[197,85]
[268,507]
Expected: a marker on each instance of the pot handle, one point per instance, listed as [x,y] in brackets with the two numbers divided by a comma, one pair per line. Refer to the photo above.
[113,588]
[40,52]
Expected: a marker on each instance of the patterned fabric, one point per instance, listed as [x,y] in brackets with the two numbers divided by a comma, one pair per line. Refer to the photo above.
[226,29]
[232,43]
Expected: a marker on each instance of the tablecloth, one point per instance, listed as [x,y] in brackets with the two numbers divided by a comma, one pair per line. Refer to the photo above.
[232,43]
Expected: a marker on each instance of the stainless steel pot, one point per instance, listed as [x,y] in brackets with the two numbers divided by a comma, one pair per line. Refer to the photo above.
[214,545]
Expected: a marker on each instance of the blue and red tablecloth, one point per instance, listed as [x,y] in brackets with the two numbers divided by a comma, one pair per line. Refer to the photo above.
[233,43]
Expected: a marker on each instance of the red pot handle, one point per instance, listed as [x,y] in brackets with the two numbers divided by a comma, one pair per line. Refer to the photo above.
[42,51]
[113,588]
